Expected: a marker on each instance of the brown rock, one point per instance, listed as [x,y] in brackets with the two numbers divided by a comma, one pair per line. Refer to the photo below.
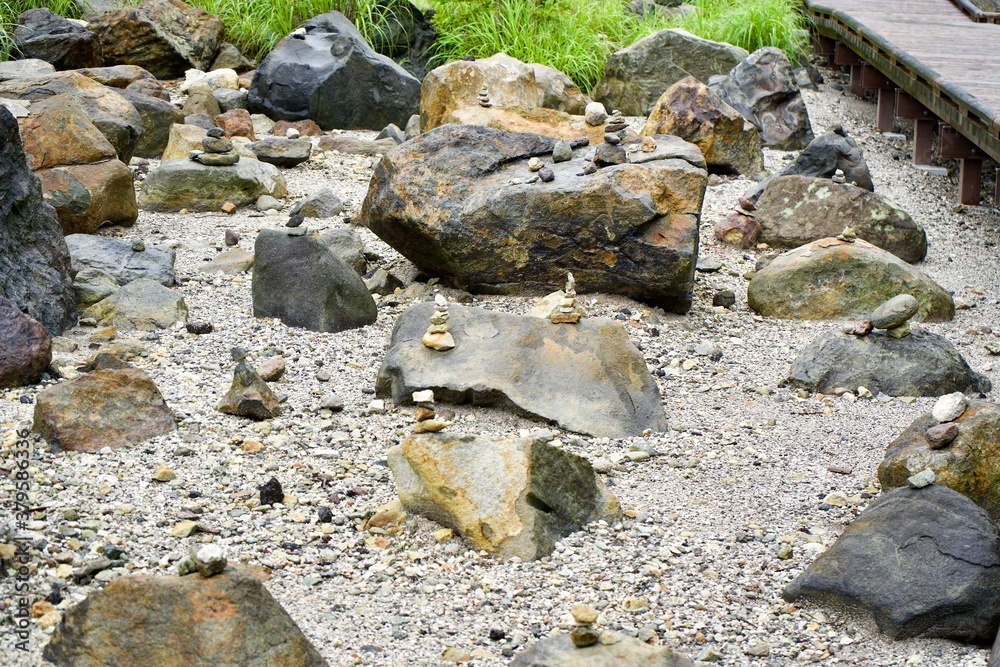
[236,123]
[228,619]
[738,229]
[272,369]
[58,132]
[547,122]
[25,347]
[88,196]
[584,636]
[119,76]
[306,128]
[942,435]
[110,408]
[693,112]
[249,396]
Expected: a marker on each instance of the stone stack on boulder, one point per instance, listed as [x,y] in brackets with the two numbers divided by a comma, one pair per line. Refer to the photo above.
[217,151]
[897,362]
[636,76]
[611,649]
[692,111]
[463,203]
[325,71]
[762,88]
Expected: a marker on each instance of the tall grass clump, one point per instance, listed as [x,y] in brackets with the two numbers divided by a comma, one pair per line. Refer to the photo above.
[751,24]
[574,36]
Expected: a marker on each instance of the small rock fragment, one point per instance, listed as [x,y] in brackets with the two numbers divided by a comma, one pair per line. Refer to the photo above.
[921,479]
[942,435]
[949,407]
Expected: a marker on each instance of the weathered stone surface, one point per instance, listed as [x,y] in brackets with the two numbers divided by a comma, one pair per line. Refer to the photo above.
[228,619]
[182,139]
[92,286]
[113,115]
[832,279]
[20,69]
[547,122]
[119,259]
[349,145]
[282,152]
[636,76]
[109,408]
[57,132]
[231,262]
[446,201]
[35,263]
[323,203]
[762,88]
[738,229]
[46,36]
[559,651]
[969,464]
[346,244]
[331,75]
[88,196]
[166,37]
[794,210]
[693,112]
[925,562]
[511,84]
[586,377]
[158,116]
[118,76]
[187,184]
[236,123]
[508,496]
[921,364]
[249,396]
[25,347]
[142,304]
[299,280]
[895,312]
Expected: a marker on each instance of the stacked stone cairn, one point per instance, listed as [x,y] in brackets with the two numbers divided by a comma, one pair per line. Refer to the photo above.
[567,311]
[584,634]
[294,226]
[218,151]
[484,96]
[438,336]
[946,412]
[426,414]
[893,316]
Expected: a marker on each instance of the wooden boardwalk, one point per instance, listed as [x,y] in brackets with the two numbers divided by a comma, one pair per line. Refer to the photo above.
[934,51]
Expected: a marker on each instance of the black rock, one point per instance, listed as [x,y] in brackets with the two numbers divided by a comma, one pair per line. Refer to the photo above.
[114,552]
[331,75]
[725,298]
[270,492]
[157,116]
[199,328]
[325,515]
[608,154]
[46,36]
[295,220]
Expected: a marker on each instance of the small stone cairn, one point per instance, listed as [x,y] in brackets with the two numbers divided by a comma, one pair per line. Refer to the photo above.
[584,634]
[567,311]
[438,336]
[893,316]
[484,97]
[425,413]
[946,411]
[218,151]
[294,226]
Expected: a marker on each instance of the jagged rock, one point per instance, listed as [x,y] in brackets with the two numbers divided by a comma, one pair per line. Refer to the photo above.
[833,279]
[762,88]
[795,210]
[448,202]
[165,37]
[693,112]
[508,496]
[229,57]
[120,260]
[920,364]
[925,562]
[25,347]
[157,118]
[586,377]
[249,396]
[178,184]
[330,75]
[301,281]
[616,651]
[35,263]
[46,36]
[511,83]
[58,132]
[105,408]
[141,304]
[968,464]
[636,76]
[228,619]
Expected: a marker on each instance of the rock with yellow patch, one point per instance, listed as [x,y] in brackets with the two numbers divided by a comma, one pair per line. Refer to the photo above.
[587,377]
[228,619]
[795,210]
[507,496]
[461,203]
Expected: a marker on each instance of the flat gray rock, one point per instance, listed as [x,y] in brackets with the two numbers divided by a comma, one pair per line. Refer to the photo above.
[118,259]
[586,377]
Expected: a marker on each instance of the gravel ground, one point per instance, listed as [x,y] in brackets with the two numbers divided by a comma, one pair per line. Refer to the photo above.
[693,565]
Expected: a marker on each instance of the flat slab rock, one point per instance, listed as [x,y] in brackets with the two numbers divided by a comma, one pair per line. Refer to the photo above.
[559,651]
[921,364]
[228,619]
[925,562]
[586,377]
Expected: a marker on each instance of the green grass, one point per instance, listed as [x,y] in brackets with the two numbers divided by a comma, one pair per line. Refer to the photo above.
[574,36]
[752,24]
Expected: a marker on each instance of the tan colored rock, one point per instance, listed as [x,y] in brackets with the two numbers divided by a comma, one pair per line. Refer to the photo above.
[89,196]
[58,132]
[186,138]
[547,122]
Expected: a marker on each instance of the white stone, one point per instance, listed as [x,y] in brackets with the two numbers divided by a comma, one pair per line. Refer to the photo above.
[949,407]
[921,479]
[595,114]
[425,396]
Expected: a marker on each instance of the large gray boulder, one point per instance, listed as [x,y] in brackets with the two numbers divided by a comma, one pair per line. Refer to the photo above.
[586,377]
[142,304]
[121,259]
[459,202]
[763,89]
[636,76]
[301,281]
[795,210]
[330,75]
[925,562]
[34,259]
[920,364]
[178,184]
[508,496]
